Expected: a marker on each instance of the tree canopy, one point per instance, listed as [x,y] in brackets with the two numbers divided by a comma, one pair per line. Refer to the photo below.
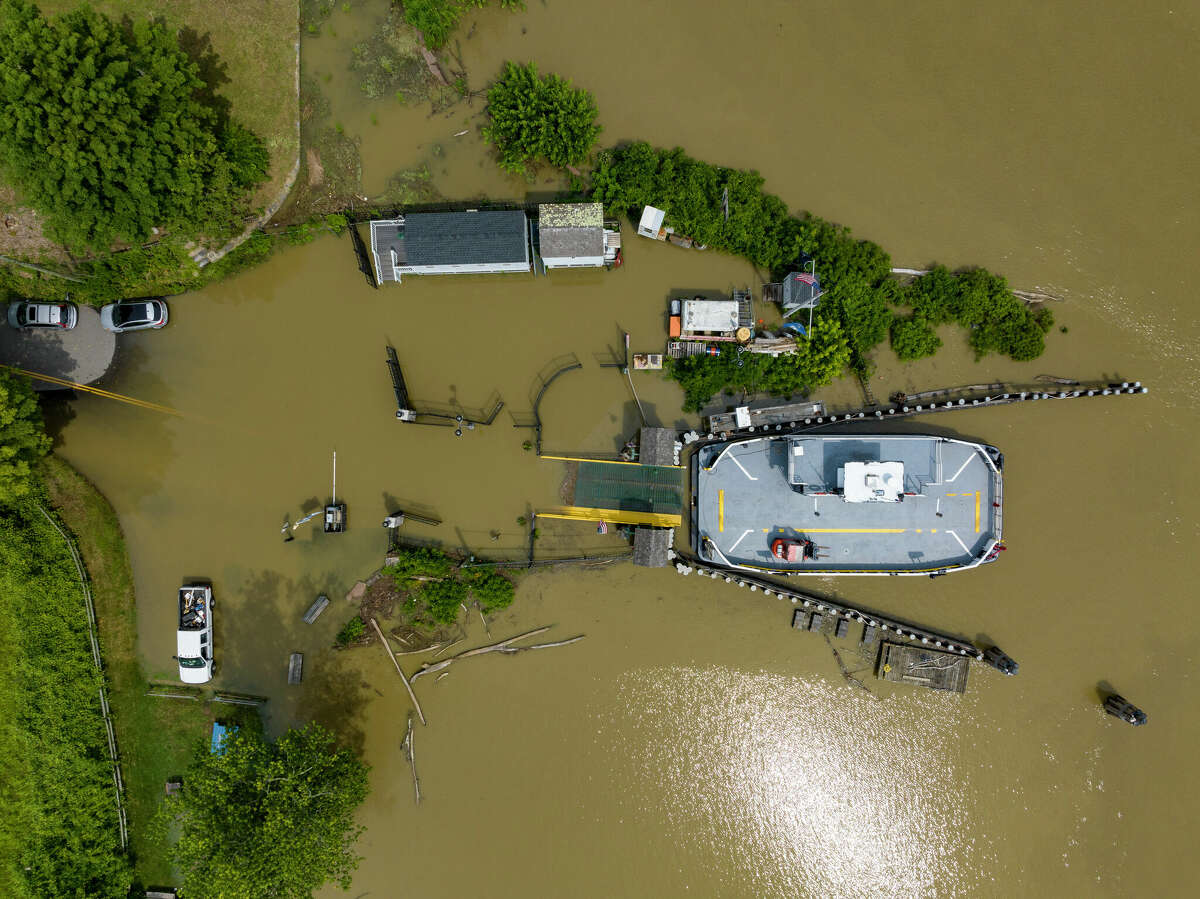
[23,438]
[268,819]
[532,118]
[104,129]
[728,209]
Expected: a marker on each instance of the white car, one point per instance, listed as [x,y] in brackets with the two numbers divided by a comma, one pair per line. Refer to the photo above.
[134,315]
[194,644]
[26,314]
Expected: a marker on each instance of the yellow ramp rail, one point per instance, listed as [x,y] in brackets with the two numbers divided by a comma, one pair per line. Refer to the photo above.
[614,516]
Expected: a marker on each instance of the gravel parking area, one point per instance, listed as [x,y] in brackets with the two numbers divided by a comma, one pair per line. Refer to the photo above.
[82,354]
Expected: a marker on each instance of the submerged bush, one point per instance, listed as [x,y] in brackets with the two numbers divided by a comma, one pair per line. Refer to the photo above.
[532,118]
[491,590]
[351,632]
[442,600]
[418,560]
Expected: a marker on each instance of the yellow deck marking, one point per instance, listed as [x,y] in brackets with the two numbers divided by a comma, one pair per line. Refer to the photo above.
[721,511]
[976,511]
[613,516]
[603,461]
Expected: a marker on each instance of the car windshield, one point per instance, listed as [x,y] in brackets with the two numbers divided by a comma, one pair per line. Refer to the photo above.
[134,313]
[191,663]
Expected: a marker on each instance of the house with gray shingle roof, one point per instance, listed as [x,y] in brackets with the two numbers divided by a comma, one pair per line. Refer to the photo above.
[449,243]
[572,235]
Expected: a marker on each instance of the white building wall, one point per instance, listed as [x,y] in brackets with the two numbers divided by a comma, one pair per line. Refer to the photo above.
[573,261]
[475,268]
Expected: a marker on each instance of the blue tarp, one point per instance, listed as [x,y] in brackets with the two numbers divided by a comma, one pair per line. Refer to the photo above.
[220,733]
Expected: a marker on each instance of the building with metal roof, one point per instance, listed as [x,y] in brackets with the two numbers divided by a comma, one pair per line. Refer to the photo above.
[449,243]
[572,235]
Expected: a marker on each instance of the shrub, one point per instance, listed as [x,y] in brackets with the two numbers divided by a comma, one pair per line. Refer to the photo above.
[532,118]
[351,632]
[442,600]
[418,560]
[913,338]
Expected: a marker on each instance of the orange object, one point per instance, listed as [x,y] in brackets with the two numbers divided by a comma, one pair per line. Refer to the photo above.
[676,326]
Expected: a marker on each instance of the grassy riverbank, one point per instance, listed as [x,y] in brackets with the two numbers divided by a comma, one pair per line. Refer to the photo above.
[59,820]
[156,737]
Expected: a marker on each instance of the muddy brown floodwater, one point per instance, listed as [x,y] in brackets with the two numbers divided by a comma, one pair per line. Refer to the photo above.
[693,744]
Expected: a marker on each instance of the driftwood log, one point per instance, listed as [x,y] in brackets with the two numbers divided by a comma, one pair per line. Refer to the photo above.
[407,686]
[407,746]
[504,646]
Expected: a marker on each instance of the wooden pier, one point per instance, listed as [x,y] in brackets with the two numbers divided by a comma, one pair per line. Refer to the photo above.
[923,667]
[295,668]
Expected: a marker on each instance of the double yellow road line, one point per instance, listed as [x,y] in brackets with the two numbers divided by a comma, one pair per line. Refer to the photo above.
[107,394]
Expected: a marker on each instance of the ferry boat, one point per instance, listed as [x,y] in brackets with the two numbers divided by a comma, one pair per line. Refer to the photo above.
[847,504]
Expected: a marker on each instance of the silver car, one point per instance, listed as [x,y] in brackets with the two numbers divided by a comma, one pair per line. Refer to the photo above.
[134,315]
[27,314]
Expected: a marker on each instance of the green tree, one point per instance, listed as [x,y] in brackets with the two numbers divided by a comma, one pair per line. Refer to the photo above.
[437,19]
[23,437]
[532,118]
[104,130]
[268,819]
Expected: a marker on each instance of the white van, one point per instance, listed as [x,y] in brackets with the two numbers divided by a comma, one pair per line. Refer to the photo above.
[195,640]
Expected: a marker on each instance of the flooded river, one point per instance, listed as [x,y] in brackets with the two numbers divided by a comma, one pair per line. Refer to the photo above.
[693,744]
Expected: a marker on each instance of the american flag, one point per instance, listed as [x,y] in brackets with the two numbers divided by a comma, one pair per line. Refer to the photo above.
[602,528]
[806,278]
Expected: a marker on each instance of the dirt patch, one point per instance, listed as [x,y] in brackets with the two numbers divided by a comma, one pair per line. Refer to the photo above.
[316,171]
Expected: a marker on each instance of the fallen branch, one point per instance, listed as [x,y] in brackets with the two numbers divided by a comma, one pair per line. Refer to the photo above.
[417,652]
[391,655]
[443,674]
[447,646]
[504,646]
[407,746]
[482,618]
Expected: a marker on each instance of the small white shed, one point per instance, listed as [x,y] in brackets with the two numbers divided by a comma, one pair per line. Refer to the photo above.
[651,224]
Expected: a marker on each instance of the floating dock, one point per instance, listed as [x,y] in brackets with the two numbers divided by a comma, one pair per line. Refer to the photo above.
[295,668]
[745,417]
[923,667]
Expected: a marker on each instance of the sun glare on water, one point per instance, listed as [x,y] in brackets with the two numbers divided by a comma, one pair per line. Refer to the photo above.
[796,786]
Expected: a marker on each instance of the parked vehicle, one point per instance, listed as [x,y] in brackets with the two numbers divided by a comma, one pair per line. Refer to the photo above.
[194,644]
[27,314]
[134,315]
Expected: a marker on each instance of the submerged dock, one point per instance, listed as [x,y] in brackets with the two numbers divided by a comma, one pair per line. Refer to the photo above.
[923,667]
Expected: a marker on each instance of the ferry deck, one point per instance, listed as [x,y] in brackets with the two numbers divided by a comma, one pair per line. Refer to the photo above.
[868,504]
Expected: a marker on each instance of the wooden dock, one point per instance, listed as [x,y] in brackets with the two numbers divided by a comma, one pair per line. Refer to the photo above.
[923,667]
[295,668]
[315,610]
